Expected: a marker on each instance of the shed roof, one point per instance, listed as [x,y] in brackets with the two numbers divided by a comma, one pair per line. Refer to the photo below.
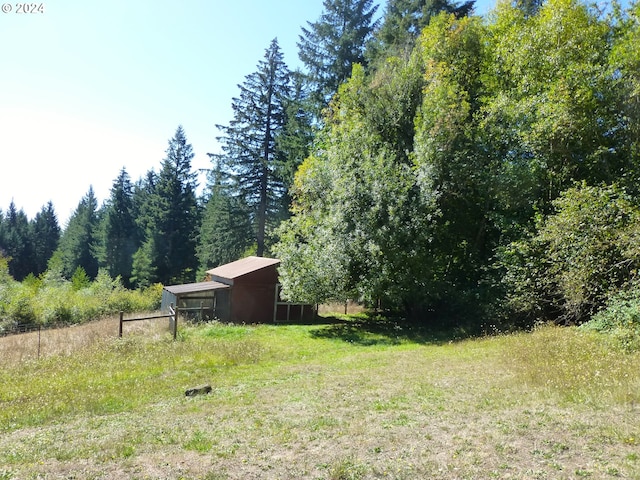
[242,267]
[194,287]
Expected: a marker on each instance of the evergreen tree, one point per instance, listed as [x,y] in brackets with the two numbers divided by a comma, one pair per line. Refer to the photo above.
[226,232]
[78,242]
[171,217]
[251,154]
[298,133]
[404,20]
[46,237]
[142,269]
[16,243]
[330,46]
[119,232]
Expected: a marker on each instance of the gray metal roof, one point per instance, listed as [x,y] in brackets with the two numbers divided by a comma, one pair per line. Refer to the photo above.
[242,267]
[194,287]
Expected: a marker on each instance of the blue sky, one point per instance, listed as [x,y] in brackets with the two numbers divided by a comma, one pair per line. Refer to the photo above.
[88,87]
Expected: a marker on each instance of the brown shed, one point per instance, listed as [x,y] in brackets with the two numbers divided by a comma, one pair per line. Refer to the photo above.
[254,283]
[244,291]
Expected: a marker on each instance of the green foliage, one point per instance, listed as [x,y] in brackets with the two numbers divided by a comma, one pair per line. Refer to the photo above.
[149,229]
[120,237]
[171,220]
[78,242]
[330,46]
[435,163]
[16,242]
[46,237]
[226,230]
[369,202]
[404,21]
[143,271]
[5,276]
[252,154]
[620,318]
[47,302]
[80,279]
[625,65]
[579,257]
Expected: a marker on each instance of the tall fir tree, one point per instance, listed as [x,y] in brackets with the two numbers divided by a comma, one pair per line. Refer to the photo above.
[226,232]
[330,46]
[251,154]
[46,237]
[77,246]
[119,234]
[298,133]
[171,218]
[16,243]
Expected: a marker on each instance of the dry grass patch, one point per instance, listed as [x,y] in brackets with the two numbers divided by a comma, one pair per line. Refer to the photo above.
[42,344]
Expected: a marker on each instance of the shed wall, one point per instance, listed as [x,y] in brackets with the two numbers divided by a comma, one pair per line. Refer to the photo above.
[253,303]
[264,276]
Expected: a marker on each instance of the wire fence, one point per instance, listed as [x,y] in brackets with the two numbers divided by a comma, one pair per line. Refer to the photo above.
[19,328]
[22,342]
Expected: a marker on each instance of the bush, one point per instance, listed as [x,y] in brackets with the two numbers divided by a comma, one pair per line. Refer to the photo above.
[620,318]
[62,302]
[580,255]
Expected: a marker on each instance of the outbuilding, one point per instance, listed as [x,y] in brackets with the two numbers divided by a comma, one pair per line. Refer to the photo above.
[246,290]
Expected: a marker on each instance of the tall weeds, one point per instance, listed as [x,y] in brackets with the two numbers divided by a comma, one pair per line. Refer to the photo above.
[54,301]
[575,365]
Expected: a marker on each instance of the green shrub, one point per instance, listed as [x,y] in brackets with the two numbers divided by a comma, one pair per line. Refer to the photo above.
[580,255]
[49,302]
[21,302]
[620,318]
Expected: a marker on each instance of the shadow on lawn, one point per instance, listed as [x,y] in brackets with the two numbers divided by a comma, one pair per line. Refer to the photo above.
[370,329]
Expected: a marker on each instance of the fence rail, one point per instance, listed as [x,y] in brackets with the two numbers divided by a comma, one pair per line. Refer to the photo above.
[172,316]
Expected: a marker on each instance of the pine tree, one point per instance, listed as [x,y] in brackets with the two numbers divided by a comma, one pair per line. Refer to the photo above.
[250,148]
[330,46]
[119,232]
[46,237]
[78,243]
[171,217]
[16,243]
[226,232]
[298,133]
[404,20]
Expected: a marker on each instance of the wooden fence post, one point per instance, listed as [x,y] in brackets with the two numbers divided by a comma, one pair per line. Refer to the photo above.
[120,329]
[175,323]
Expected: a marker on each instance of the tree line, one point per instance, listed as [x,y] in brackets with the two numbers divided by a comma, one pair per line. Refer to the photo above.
[487,170]
[431,162]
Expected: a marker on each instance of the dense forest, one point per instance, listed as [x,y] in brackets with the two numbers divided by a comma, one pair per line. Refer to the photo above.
[433,163]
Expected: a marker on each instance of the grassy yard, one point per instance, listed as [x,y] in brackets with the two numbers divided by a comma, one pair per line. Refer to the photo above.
[338,401]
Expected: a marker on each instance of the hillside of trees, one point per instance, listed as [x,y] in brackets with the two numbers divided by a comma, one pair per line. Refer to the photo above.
[433,163]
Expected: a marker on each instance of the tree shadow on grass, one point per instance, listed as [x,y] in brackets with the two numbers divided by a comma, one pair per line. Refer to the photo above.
[375,329]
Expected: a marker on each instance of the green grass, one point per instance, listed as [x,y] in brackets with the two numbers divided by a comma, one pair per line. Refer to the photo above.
[357,399]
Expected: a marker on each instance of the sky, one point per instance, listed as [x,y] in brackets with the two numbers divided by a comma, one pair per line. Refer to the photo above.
[88,87]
